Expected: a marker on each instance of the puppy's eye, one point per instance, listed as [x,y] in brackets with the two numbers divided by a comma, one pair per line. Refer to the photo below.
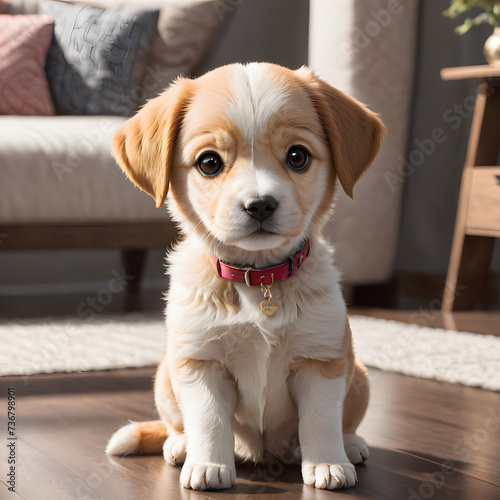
[210,164]
[298,158]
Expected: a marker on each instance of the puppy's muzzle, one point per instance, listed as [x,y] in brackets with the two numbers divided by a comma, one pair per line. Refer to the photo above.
[261,208]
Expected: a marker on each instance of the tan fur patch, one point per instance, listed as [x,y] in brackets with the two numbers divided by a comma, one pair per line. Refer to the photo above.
[189,364]
[151,436]
[332,368]
[215,295]
[354,132]
[144,146]
[356,401]
[165,400]
[358,390]
[335,367]
[349,353]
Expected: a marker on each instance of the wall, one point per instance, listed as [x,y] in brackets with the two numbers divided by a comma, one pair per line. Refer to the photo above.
[433,178]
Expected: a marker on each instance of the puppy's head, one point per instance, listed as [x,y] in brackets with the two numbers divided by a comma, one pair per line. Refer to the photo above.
[251,153]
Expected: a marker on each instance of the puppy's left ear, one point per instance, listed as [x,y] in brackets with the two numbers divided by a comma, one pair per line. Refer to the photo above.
[144,146]
[354,132]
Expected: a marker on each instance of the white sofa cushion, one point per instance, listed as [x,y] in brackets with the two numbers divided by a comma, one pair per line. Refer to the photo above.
[366,48]
[59,169]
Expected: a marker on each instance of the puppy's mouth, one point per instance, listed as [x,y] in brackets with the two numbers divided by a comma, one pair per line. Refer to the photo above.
[264,232]
[260,239]
[267,231]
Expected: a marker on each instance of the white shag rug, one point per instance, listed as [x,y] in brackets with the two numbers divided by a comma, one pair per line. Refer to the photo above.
[135,340]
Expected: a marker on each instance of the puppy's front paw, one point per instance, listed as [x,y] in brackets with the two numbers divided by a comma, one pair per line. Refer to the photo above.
[328,476]
[356,448]
[207,476]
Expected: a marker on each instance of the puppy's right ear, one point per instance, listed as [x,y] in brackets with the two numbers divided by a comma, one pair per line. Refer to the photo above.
[355,133]
[144,146]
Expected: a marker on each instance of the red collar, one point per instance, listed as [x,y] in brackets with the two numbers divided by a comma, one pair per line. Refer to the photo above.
[266,276]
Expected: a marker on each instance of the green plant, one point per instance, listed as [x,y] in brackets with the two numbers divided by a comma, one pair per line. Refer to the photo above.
[490,14]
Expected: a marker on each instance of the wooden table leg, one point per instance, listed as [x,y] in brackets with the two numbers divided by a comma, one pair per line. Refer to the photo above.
[473,271]
[471,254]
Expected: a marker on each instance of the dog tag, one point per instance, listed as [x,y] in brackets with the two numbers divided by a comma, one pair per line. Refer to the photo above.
[269,307]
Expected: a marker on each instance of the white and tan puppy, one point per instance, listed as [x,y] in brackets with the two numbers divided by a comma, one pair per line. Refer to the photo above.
[251,154]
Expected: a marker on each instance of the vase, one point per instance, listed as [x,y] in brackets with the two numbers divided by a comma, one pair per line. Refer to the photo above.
[492,47]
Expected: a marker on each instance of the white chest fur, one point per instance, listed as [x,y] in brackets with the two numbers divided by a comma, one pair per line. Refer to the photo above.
[258,351]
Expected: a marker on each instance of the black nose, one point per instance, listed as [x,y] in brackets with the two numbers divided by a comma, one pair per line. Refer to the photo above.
[261,208]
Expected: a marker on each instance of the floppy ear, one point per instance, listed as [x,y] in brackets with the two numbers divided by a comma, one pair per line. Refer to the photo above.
[144,146]
[354,132]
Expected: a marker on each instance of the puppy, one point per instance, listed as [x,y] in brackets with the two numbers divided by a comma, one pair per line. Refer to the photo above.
[259,363]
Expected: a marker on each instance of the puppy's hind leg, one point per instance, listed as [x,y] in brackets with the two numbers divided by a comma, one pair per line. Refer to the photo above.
[355,405]
[141,438]
[174,449]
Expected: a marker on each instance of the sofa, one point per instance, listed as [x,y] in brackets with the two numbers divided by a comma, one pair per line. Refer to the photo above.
[60,188]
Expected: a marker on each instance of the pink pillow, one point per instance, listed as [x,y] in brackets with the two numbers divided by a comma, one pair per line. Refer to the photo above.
[24,43]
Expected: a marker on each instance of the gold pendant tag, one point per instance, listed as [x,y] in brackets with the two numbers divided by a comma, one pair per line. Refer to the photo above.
[269,307]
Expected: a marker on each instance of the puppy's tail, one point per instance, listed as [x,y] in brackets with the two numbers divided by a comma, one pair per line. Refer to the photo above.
[138,438]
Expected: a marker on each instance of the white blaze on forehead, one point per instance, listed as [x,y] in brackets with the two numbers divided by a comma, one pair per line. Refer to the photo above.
[258,96]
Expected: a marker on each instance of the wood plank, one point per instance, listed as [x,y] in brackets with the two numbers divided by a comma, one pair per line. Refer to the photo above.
[484,201]
[471,72]
[91,236]
[476,231]
[413,427]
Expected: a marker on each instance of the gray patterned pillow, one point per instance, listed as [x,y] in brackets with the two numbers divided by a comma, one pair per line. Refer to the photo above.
[97,56]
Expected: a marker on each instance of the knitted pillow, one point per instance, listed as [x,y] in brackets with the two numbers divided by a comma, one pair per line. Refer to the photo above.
[24,42]
[97,57]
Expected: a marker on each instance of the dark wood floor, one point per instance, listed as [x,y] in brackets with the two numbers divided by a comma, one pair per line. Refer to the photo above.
[428,439]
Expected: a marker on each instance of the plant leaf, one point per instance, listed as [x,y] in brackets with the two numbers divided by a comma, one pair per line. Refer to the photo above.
[465,27]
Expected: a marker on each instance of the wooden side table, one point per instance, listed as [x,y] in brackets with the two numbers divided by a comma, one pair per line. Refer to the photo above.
[478,214]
